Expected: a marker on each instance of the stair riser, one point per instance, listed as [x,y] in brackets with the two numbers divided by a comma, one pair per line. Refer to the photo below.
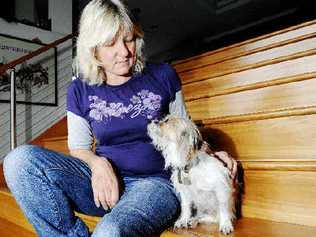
[283,196]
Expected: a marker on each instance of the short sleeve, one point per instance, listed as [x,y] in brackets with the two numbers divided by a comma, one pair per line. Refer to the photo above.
[74,97]
[173,81]
[168,78]
[79,132]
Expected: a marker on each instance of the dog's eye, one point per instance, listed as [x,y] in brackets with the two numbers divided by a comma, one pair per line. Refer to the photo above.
[167,120]
[183,134]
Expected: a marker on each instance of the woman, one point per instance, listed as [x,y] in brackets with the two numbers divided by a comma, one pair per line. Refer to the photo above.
[123,180]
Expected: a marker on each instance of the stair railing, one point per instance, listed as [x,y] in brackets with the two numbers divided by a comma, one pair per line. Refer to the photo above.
[12,110]
[11,66]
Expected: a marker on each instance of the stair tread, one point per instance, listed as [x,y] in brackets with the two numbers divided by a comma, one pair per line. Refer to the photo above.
[245,227]
[251,227]
[9,229]
[55,138]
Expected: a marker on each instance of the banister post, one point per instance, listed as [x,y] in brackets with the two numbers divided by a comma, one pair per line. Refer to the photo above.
[12,110]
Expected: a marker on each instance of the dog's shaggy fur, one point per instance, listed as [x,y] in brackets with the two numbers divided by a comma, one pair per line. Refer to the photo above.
[204,184]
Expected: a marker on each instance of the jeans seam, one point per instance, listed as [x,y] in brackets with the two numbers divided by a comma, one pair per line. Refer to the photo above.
[66,171]
[55,204]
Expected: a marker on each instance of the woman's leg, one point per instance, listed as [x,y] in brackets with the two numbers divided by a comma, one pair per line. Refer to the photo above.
[49,186]
[147,207]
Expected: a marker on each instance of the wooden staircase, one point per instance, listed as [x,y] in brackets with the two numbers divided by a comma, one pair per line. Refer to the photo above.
[256,100]
[14,224]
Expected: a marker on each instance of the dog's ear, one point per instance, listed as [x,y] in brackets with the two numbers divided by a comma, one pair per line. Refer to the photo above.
[199,143]
[185,144]
[197,139]
[190,140]
[185,139]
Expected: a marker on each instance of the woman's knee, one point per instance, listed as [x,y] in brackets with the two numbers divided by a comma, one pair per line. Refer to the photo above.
[149,207]
[156,189]
[108,228]
[17,160]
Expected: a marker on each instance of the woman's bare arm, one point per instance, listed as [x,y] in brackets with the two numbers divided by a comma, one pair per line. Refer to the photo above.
[103,180]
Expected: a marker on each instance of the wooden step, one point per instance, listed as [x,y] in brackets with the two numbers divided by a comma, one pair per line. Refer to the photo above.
[262,43]
[249,227]
[10,211]
[58,131]
[9,229]
[12,217]
[59,144]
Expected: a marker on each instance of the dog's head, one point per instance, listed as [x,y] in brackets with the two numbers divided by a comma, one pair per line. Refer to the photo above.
[178,139]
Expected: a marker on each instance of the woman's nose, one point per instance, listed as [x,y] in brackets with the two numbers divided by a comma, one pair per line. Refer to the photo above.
[122,49]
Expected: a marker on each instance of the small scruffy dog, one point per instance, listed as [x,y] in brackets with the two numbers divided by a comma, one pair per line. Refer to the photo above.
[204,184]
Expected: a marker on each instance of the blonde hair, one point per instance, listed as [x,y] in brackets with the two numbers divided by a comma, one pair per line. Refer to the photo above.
[100,22]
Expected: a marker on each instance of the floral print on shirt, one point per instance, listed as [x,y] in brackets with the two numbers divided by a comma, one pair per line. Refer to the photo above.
[144,103]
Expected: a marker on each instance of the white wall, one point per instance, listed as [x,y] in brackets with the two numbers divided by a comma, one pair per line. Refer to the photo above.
[32,120]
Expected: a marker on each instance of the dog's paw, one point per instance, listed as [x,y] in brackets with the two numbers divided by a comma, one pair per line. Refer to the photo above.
[182,223]
[226,227]
[192,223]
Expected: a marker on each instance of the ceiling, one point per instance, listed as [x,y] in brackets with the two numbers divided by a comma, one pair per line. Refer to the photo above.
[176,29]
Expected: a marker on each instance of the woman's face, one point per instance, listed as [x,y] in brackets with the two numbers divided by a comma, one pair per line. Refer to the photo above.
[118,57]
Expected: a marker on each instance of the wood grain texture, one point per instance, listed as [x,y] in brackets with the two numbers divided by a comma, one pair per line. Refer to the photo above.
[10,211]
[59,144]
[285,138]
[9,229]
[308,110]
[55,138]
[279,165]
[248,227]
[271,56]
[270,75]
[261,43]
[268,99]
[283,196]
[59,129]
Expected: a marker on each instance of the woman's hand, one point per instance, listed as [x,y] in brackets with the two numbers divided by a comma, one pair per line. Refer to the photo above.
[104,183]
[224,157]
[228,161]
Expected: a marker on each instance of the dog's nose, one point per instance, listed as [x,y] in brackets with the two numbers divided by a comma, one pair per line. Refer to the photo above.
[155,121]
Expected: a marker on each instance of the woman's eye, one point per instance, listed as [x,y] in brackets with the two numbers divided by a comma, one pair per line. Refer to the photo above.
[107,44]
[130,39]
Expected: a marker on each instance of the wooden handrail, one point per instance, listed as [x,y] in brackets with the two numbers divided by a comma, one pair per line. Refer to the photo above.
[15,62]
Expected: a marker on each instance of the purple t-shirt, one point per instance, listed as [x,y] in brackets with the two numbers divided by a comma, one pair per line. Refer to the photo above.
[118,117]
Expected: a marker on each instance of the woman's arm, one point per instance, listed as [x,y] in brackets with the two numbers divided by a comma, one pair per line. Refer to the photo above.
[103,180]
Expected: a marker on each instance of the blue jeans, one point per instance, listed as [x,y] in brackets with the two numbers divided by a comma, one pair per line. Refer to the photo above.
[49,186]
